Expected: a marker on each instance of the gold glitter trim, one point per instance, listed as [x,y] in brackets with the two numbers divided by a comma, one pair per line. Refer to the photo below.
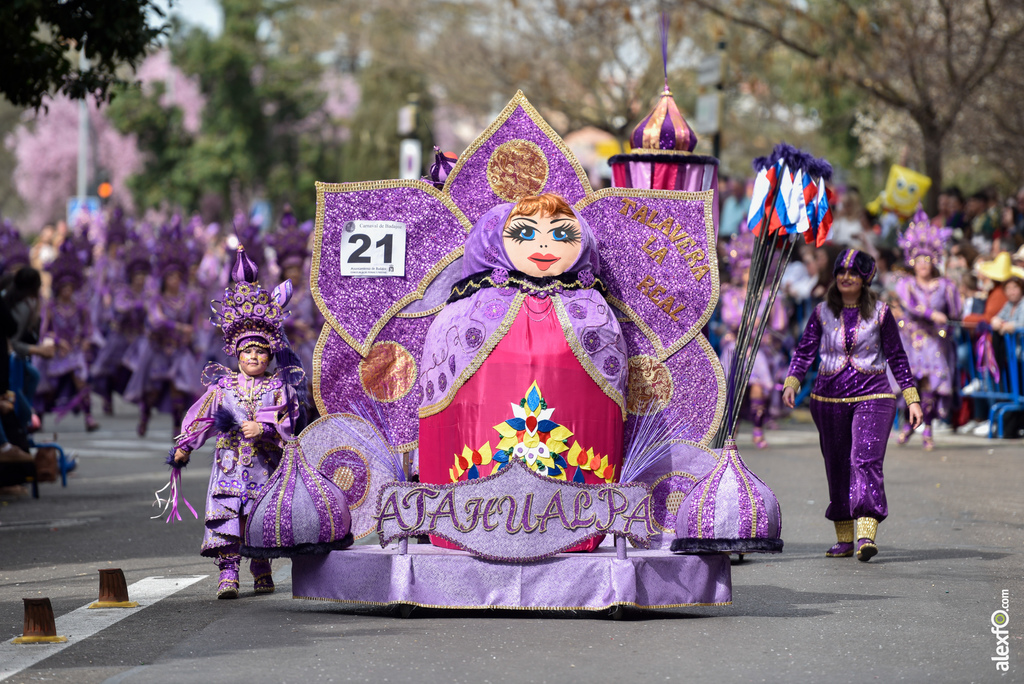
[851,400]
[792,383]
[646,151]
[911,396]
[630,604]
[421,314]
[478,360]
[318,350]
[318,238]
[705,196]
[716,364]
[527,179]
[318,399]
[844,531]
[867,528]
[584,358]
[519,100]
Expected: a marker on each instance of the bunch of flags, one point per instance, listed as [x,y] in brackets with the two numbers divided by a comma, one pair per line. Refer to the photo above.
[791,195]
[791,199]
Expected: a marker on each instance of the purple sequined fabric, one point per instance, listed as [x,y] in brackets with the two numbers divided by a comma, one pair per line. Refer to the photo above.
[431,576]
[853,438]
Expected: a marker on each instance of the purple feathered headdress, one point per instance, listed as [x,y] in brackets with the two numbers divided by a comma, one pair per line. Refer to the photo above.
[249,314]
[67,269]
[922,239]
[291,241]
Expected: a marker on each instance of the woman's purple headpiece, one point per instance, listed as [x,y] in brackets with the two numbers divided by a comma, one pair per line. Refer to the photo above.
[922,239]
[67,268]
[291,241]
[859,262]
[485,247]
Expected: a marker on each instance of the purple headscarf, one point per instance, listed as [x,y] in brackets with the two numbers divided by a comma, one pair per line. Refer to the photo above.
[857,261]
[485,247]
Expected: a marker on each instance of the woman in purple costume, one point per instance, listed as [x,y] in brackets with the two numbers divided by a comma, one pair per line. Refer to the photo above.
[249,412]
[64,384]
[126,328]
[732,300]
[929,302]
[166,375]
[852,403]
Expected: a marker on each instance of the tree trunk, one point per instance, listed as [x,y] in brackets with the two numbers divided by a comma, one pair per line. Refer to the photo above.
[934,141]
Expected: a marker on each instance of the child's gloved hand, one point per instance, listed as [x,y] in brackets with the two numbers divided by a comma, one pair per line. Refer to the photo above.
[251,429]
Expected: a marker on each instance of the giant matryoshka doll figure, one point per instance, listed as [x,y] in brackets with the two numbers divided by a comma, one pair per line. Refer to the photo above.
[527,359]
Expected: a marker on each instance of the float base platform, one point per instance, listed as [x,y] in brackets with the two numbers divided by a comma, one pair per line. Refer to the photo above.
[431,577]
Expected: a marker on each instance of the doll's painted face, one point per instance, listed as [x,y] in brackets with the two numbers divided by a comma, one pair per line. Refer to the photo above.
[253,361]
[541,245]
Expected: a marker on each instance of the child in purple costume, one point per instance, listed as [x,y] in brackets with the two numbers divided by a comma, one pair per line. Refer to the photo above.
[250,412]
[852,403]
[165,377]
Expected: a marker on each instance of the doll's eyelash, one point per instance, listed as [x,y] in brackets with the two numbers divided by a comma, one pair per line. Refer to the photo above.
[571,230]
[515,231]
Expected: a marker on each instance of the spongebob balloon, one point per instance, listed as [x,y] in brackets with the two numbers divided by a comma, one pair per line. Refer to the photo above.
[904,190]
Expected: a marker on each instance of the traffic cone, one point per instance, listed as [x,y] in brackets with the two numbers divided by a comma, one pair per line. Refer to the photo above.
[113,590]
[39,625]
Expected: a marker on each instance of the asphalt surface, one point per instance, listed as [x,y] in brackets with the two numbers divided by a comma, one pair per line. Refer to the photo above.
[918,612]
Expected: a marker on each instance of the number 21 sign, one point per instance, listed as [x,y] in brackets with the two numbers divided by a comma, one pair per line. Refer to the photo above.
[373,248]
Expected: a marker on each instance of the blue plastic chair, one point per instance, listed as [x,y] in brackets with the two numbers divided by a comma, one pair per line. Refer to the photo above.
[1012,368]
[66,465]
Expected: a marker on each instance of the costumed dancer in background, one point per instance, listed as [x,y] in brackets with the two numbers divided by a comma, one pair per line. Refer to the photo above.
[527,325]
[249,412]
[166,377]
[64,379]
[929,302]
[291,247]
[108,275]
[852,403]
[731,301]
[125,340]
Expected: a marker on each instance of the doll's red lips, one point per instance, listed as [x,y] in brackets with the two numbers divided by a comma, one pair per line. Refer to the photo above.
[543,261]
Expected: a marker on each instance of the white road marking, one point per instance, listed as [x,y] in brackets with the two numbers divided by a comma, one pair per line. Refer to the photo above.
[82,623]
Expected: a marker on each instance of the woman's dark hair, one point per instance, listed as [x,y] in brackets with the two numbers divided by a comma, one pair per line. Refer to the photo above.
[27,283]
[866,303]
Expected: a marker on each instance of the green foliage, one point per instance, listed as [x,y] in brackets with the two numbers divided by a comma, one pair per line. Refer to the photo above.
[37,35]
[253,142]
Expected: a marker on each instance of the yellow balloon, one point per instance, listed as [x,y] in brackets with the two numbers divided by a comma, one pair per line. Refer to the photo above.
[904,190]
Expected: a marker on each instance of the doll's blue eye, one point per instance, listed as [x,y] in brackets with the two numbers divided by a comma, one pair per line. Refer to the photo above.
[567,232]
[521,232]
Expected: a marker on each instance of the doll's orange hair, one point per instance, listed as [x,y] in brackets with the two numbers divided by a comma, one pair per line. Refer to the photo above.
[548,204]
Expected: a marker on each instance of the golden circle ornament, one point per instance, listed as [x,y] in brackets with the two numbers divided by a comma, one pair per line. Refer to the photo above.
[388,372]
[649,381]
[517,169]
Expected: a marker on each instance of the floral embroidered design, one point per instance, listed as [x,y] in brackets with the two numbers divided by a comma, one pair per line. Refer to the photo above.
[533,437]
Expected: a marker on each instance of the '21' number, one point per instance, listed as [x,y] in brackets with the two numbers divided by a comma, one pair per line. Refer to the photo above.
[364,244]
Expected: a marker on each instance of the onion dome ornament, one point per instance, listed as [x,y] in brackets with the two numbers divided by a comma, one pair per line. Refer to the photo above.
[662,143]
[299,512]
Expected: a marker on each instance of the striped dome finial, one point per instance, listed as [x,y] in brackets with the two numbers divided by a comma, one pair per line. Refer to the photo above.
[664,128]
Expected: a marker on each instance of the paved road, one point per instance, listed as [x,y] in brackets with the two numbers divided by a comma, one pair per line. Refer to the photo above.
[918,612]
